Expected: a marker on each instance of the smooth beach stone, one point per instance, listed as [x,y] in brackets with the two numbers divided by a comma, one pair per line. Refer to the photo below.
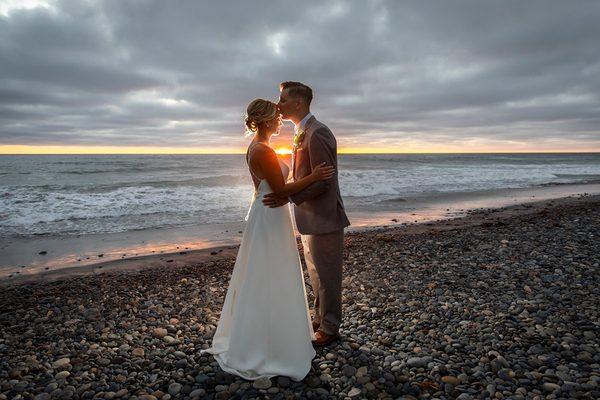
[103,361]
[418,362]
[198,393]
[174,388]
[159,332]
[179,354]
[60,363]
[313,381]
[349,371]
[52,386]
[169,339]
[234,387]
[283,381]
[549,387]
[262,383]
[138,352]
[506,374]
[452,380]
[62,375]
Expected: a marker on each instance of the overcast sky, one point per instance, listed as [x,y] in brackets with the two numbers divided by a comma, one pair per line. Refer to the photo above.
[408,76]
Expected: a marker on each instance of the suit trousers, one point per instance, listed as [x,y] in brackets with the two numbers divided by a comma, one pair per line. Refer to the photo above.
[324,255]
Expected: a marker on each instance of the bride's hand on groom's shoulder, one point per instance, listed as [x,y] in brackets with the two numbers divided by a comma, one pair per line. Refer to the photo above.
[272,200]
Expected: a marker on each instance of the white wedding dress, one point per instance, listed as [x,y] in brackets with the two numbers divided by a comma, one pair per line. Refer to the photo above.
[264,329]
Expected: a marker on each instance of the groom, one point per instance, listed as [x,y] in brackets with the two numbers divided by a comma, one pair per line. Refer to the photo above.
[318,209]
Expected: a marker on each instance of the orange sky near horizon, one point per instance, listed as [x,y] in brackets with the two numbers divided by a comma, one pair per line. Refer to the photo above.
[29,149]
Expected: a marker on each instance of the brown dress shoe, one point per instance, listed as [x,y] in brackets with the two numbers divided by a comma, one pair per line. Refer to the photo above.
[323,339]
[315,325]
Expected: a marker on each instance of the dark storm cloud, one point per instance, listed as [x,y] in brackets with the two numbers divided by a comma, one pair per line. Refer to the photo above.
[384,73]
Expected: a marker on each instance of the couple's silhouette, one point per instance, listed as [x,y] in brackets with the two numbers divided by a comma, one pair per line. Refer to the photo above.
[265,327]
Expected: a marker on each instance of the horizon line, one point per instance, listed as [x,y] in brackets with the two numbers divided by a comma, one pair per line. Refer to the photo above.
[339,152]
[282,148]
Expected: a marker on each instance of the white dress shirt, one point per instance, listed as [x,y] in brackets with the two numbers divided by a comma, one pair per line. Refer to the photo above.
[302,124]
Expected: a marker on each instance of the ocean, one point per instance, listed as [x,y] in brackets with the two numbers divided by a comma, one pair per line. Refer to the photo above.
[65,195]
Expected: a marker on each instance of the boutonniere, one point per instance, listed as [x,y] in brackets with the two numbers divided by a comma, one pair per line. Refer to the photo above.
[298,139]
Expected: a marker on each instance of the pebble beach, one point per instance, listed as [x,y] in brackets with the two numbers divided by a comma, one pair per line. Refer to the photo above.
[503,303]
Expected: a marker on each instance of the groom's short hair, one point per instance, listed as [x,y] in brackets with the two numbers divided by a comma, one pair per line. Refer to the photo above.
[297,89]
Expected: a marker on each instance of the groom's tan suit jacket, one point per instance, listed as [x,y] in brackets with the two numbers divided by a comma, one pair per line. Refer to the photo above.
[318,208]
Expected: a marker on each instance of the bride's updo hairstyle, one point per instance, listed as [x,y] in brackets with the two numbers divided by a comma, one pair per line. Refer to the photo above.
[259,111]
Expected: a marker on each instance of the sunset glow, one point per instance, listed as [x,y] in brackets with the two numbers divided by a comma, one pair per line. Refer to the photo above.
[282,150]
[23,149]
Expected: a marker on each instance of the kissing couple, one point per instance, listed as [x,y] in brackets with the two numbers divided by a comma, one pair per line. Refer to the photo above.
[265,328]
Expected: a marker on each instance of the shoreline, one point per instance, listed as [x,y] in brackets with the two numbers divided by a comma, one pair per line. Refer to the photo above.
[47,252]
[185,256]
[40,254]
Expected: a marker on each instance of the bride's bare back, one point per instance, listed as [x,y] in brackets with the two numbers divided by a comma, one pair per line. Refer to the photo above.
[253,156]
[263,163]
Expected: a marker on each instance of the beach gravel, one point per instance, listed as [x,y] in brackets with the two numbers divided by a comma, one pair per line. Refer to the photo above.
[503,308]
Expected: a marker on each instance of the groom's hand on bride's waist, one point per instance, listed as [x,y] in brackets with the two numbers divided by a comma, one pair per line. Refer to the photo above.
[272,200]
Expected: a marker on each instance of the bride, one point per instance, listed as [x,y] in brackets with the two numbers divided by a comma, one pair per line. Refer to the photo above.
[265,329]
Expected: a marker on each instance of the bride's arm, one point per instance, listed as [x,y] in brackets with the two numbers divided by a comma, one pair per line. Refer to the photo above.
[269,165]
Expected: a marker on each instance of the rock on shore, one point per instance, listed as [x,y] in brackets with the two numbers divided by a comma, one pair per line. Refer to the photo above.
[506,309]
